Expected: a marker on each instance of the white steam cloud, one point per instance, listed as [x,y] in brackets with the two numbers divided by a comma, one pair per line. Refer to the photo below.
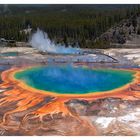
[41,41]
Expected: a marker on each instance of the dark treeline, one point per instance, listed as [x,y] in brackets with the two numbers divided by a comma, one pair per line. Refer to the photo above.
[68,24]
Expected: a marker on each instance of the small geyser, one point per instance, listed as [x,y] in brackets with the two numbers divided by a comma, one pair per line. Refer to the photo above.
[41,41]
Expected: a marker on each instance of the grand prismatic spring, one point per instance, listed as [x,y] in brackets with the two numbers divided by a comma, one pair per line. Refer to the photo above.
[74,80]
[71,81]
[39,91]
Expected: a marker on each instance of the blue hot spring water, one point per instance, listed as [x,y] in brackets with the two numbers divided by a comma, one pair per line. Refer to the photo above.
[9,54]
[74,80]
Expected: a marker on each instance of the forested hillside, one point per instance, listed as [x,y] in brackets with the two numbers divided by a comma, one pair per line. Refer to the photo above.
[68,24]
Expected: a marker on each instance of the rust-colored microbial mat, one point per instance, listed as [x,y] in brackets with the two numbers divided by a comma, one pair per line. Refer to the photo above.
[28,111]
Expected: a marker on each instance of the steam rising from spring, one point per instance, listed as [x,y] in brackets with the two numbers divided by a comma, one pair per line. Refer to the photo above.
[41,41]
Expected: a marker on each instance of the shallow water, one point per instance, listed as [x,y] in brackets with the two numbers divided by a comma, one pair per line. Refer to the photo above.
[9,54]
[72,80]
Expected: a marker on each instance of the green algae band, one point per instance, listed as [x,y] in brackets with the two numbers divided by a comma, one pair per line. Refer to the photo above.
[74,80]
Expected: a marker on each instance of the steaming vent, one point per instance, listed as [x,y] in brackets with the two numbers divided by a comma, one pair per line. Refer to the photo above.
[41,41]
